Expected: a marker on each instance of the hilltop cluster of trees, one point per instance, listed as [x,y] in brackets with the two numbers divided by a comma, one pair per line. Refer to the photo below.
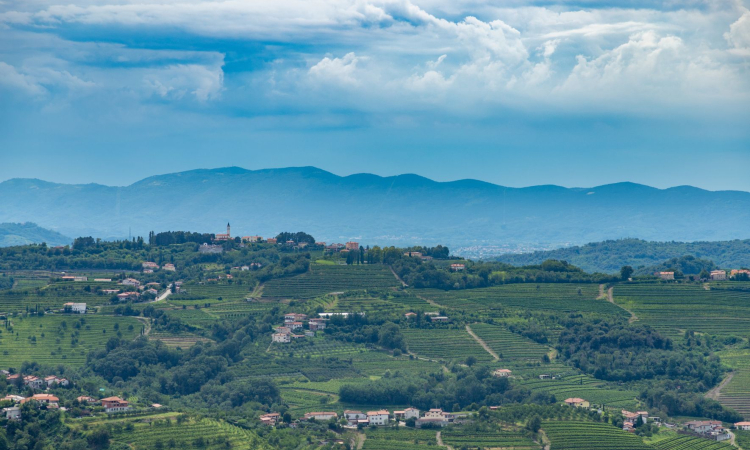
[179,237]
[298,237]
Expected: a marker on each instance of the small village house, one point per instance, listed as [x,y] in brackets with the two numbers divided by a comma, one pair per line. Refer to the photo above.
[130,282]
[354,417]
[13,398]
[457,267]
[12,413]
[125,296]
[433,417]
[33,382]
[282,338]
[295,325]
[270,419]
[502,372]
[75,308]
[46,399]
[439,319]
[665,275]
[577,402]
[150,265]
[316,324]
[115,404]
[407,413]
[169,267]
[381,417]
[352,245]
[271,240]
[86,399]
[718,275]
[745,426]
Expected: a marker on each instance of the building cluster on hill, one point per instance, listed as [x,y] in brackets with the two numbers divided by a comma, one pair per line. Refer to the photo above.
[296,322]
[711,429]
[150,267]
[35,383]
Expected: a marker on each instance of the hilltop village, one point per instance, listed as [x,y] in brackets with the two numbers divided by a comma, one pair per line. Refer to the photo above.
[214,341]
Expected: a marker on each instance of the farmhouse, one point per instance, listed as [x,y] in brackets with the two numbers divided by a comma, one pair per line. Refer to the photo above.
[433,417]
[150,265]
[501,372]
[33,382]
[131,282]
[252,239]
[577,402]
[282,338]
[47,399]
[354,417]
[115,404]
[408,413]
[381,417]
[665,275]
[457,267]
[76,308]
[316,324]
[745,426]
[270,419]
[12,398]
[50,380]
[326,415]
[702,426]
[294,317]
[295,325]
[717,275]
[271,240]
[86,399]
[409,315]
[440,319]
[125,296]
[352,245]
[169,267]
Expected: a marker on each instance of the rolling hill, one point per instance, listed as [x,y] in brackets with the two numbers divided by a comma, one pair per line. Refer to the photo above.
[402,209]
[29,233]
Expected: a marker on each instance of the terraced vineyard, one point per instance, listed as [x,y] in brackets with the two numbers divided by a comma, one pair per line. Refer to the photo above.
[375,363]
[400,439]
[192,294]
[586,387]
[482,439]
[316,347]
[445,344]
[182,340]
[53,296]
[195,317]
[547,297]
[508,345]
[591,436]
[674,308]
[324,279]
[194,433]
[691,443]
[736,393]
[57,339]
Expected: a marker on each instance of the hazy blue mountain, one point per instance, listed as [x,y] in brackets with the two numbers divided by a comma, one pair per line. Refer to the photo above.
[399,210]
[29,233]
[646,257]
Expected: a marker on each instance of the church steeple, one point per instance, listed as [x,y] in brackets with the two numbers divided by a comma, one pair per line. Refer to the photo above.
[228,233]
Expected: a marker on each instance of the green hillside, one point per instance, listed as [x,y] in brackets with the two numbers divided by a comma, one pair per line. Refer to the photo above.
[12,234]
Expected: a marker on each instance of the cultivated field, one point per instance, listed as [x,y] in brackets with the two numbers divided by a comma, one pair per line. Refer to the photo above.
[674,308]
[590,436]
[507,345]
[324,279]
[691,443]
[546,297]
[60,339]
[445,344]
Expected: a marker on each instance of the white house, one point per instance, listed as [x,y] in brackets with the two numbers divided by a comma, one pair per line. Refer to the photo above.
[745,426]
[502,373]
[281,338]
[131,282]
[76,308]
[378,417]
[408,413]
[169,267]
[354,416]
[12,413]
[33,382]
[115,404]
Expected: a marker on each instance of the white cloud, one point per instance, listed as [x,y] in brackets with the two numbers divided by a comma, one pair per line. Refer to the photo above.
[13,79]
[336,70]
[739,34]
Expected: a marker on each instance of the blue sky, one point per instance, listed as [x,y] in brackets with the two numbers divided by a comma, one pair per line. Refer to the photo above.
[575,93]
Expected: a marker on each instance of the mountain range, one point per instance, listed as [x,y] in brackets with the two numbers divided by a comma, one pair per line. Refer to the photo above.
[403,209]
[29,233]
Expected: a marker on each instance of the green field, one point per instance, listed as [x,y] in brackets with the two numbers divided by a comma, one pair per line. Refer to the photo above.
[29,295]
[400,439]
[736,393]
[60,339]
[193,433]
[690,443]
[458,438]
[674,308]
[445,344]
[324,279]
[509,346]
[590,436]
[213,293]
[561,297]
[586,387]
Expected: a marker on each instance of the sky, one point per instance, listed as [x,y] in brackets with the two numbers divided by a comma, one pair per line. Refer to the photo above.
[518,93]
